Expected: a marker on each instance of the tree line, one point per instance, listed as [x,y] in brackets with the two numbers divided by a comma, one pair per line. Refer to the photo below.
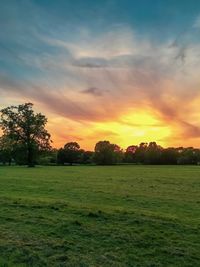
[25,141]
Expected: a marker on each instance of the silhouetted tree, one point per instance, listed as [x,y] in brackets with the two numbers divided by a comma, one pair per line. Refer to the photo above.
[169,156]
[140,153]
[48,157]
[153,153]
[6,150]
[69,154]
[129,155]
[86,157]
[26,129]
[107,153]
[61,156]
[188,156]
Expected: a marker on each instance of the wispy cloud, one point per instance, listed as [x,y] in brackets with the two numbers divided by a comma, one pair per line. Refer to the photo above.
[93,91]
[98,76]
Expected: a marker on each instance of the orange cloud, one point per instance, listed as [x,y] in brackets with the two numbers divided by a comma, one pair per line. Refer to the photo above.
[132,91]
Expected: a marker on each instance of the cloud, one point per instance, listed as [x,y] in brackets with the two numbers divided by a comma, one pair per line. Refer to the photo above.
[119,68]
[93,91]
[90,62]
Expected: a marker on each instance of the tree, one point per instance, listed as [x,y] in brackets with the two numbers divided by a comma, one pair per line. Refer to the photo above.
[153,153]
[86,157]
[48,157]
[19,154]
[188,155]
[69,154]
[6,150]
[129,155]
[140,153]
[107,153]
[61,156]
[25,128]
[169,156]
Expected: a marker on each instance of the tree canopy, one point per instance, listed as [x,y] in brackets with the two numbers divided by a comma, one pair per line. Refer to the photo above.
[22,127]
[69,154]
[107,153]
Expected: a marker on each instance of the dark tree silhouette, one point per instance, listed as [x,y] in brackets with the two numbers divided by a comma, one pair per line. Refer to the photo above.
[169,156]
[129,155]
[153,153]
[140,153]
[6,150]
[69,154]
[24,128]
[189,155]
[107,153]
[86,157]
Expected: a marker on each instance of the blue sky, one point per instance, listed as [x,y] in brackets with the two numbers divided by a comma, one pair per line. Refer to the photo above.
[71,57]
[22,22]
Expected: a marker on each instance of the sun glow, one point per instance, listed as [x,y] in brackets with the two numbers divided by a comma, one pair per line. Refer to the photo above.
[133,128]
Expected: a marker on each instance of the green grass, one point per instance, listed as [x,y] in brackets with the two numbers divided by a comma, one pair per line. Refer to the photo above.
[100,216]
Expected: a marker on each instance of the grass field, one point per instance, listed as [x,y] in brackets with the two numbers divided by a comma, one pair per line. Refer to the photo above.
[100,216]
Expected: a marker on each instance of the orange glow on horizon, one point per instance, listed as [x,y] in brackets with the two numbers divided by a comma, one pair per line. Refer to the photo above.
[133,127]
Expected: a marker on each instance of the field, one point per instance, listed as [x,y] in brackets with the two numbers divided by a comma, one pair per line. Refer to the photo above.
[144,216]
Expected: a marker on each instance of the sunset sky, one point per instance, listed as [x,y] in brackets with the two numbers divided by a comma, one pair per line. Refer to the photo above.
[121,70]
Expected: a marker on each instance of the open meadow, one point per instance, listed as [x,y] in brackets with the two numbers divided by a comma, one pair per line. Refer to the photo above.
[100,216]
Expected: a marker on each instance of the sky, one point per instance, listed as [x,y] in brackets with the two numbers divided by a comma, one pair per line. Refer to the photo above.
[127,71]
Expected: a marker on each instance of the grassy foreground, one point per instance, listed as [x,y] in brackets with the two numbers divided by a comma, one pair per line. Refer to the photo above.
[100,216]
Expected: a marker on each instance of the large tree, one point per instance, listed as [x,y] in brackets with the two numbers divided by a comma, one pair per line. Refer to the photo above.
[107,153]
[71,153]
[25,128]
